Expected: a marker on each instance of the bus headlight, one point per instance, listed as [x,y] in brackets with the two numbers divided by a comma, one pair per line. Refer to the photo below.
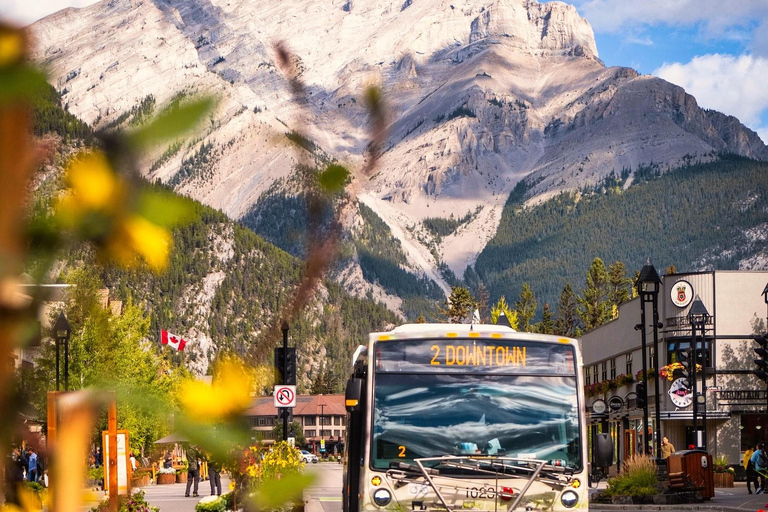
[382,497]
[569,499]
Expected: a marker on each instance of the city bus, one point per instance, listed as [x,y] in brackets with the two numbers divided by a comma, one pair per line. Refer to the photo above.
[465,417]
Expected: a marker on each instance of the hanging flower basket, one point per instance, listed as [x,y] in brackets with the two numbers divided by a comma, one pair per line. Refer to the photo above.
[669,372]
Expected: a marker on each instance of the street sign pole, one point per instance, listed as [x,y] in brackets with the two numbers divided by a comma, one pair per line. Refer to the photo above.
[285,377]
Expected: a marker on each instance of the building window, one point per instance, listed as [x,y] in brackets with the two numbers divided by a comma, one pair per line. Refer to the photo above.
[310,421]
[337,420]
[674,348]
[604,368]
[588,375]
[337,433]
[325,433]
[595,375]
[310,433]
[262,422]
[628,362]
[613,368]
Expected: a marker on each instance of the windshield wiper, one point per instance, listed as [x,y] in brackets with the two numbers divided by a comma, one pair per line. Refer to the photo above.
[531,468]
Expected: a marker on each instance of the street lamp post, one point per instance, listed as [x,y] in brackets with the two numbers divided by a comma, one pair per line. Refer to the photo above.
[698,316]
[648,287]
[62,330]
[322,424]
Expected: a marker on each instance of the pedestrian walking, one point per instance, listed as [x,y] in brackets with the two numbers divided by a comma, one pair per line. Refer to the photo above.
[99,457]
[193,471]
[31,465]
[760,462]
[749,469]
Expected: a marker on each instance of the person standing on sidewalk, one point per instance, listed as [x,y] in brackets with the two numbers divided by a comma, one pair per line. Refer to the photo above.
[749,468]
[214,476]
[667,448]
[761,467]
[31,465]
[193,470]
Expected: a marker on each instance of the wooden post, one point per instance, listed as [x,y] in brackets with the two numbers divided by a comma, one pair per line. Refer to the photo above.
[112,473]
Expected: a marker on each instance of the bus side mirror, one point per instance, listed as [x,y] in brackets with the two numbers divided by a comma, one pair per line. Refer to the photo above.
[603,450]
[353,394]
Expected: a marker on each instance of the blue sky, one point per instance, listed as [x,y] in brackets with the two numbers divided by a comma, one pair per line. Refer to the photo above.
[717,50]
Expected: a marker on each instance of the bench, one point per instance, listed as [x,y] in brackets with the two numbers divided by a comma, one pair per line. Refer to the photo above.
[680,484]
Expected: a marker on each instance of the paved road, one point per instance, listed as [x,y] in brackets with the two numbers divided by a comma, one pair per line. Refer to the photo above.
[325,493]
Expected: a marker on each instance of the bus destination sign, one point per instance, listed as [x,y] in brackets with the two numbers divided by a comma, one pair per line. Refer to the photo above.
[473,355]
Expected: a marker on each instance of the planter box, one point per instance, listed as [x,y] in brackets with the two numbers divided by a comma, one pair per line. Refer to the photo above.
[181,478]
[166,478]
[141,481]
[723,480]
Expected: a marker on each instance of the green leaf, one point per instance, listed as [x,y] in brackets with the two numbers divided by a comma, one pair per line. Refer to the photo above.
[273,493]
[20,82]
[165,208]
[333,179]
[172,122]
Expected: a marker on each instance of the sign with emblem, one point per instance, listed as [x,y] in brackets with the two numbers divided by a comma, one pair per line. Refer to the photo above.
[682,293]
[680,393]
[615,403]
[598,406]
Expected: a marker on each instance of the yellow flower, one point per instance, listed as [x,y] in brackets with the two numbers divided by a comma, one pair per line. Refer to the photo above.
[94,184]
[11,47]
[150,241]
[229,394]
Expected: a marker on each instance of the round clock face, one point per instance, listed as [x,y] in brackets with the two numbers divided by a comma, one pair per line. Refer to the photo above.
[680,393]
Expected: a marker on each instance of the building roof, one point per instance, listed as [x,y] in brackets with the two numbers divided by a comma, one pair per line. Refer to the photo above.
[306,405]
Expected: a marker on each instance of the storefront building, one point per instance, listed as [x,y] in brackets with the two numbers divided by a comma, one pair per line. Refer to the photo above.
[731,403]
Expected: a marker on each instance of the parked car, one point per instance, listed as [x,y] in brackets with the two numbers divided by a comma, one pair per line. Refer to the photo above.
[308,457]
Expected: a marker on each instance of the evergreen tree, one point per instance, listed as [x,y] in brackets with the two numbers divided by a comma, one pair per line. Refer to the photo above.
[620,284]
[595,300]
[294,426]
[500,306]
[459,305]
[525,307]
[567,322]
[484,306]
[547,324]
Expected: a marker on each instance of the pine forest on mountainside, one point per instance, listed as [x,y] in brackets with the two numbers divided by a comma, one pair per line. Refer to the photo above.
[696,217]
[254,277]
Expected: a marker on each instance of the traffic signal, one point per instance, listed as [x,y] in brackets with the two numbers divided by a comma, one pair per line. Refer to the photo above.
[285,375]
[684,358]
[762,363]
[642,395]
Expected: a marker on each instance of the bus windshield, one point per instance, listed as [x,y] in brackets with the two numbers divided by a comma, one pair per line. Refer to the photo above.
[419,415]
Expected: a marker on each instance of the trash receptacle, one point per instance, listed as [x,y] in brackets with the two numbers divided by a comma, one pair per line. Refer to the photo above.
[697,464]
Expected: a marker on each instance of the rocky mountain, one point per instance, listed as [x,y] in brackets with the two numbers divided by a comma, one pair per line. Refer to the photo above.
[483,95]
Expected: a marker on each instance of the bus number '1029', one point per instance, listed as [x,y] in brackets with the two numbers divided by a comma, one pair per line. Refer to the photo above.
[481,492]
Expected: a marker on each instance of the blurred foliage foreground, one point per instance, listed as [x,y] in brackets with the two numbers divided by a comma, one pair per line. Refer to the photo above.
[104,205]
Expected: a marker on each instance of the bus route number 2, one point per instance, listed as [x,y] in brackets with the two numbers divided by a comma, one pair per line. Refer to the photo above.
[402,451]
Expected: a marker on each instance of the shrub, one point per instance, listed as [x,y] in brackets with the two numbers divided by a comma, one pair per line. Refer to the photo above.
[133,503]
[211,504]
[637,478]
[166,471]
[624,380]
[720,464]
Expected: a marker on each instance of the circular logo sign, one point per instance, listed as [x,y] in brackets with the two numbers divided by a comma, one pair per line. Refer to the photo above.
[681,293]
[680,393]
[615,403]
[598,406]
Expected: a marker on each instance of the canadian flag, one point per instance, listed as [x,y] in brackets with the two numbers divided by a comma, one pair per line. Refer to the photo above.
[166,338]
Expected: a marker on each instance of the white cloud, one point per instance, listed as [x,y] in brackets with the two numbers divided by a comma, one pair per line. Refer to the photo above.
[611,15]
[23,12]
[729,84]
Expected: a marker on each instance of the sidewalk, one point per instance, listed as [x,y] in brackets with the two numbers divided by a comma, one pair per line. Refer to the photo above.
[725,500]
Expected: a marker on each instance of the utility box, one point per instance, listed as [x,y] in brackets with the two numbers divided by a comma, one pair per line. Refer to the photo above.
[697,464]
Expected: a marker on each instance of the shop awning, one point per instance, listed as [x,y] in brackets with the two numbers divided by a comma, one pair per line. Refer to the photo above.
[172,439]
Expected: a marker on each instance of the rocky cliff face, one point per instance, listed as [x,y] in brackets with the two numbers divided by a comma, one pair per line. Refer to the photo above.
[482,94]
